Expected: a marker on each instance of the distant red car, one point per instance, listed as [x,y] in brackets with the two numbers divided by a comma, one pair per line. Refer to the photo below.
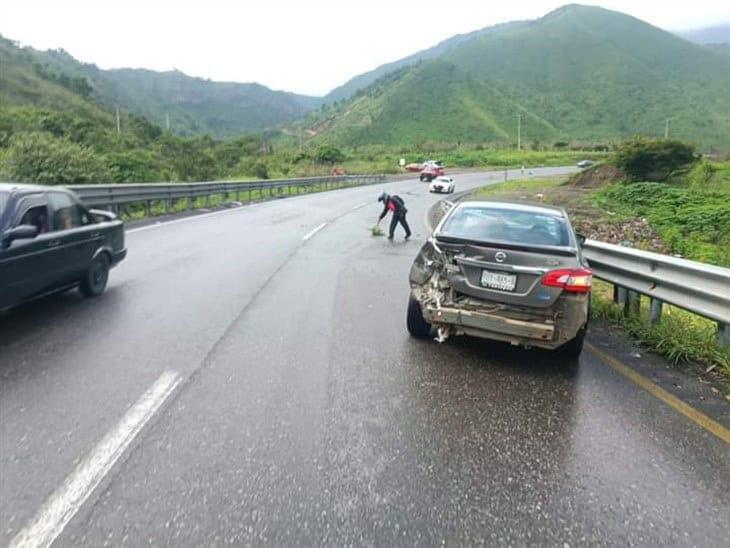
[430,172]
[414,167]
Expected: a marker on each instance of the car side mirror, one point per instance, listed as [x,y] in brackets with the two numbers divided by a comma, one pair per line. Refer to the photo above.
[22,232]
[581,239]
[101,216]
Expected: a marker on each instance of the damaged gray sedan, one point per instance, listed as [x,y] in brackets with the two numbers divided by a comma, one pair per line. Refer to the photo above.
[505,271]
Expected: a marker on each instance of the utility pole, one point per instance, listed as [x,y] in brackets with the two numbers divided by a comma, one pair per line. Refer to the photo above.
[519,132]
[167,120]
[119,125]
[666,129]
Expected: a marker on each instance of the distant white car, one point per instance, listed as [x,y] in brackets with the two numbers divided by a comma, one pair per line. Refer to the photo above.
[585,163]
[442,185]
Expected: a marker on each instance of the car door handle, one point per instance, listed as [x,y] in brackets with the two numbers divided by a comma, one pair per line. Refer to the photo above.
[96,234]
[54,243]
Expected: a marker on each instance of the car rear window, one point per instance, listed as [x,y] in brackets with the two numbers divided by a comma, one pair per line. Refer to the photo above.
[490,224]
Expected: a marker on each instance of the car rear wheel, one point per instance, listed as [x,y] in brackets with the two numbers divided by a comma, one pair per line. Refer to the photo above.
[94,282]
[573,348]
[417,326]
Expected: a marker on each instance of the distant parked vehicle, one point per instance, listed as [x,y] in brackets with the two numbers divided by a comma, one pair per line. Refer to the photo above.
[430,172]
[585,163]
[504,271]
[442,185]
[420,166]
[50,242]
[433,163]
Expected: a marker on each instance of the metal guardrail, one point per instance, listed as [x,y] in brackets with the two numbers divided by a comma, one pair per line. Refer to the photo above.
[115,196]
[697,287]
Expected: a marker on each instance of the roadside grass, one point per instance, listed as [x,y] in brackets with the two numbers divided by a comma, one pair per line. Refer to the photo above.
[681,337]
[530,189]
[691,214]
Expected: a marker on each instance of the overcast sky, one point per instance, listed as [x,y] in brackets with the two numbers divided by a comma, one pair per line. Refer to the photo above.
[303,46]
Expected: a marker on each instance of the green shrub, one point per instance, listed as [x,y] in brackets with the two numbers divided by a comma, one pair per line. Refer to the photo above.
[260,170]
[653,160]
[138,165]
[40,158]
[328,154]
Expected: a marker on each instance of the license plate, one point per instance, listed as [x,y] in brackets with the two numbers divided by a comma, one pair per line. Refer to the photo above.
[498,280]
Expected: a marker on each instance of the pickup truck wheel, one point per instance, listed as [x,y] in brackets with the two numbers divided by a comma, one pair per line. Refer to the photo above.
[421,178]
[94,282]
[417,326]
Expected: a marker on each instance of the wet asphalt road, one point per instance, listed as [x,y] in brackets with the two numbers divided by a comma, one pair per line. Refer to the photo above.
[307,415]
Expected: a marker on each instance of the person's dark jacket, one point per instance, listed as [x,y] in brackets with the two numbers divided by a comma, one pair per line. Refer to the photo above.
[395,204]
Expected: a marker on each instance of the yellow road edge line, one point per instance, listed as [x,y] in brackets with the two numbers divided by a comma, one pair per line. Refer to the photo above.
[671,400]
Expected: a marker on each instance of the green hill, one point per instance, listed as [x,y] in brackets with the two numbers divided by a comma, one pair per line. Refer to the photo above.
[194,105]
[585,73]
[23,83]
[364,80]
[433,101]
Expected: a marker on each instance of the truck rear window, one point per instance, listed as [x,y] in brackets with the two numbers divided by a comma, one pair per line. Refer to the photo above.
[509,226]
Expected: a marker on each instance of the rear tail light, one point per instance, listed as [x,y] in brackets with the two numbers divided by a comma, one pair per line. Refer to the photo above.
[572,280]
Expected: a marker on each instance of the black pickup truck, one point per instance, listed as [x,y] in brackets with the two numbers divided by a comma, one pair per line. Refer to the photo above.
[50,242]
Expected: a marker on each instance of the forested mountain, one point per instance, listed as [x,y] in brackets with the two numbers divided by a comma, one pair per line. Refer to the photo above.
[580,73]
[193,105]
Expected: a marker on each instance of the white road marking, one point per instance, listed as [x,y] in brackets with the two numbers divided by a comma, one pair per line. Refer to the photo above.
[313,232]
[359,206]
[63,504]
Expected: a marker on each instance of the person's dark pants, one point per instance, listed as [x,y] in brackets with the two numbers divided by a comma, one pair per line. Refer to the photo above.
[399,218]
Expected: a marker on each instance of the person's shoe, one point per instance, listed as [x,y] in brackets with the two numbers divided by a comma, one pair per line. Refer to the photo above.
[390,238]
[408,237]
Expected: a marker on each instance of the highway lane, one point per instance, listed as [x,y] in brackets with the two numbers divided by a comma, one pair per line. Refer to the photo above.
[308,415]
[70,368]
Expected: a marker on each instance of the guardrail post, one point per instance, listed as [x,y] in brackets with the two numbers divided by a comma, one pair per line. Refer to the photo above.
[632,304]
[723,335]
[621,294]
[655,310]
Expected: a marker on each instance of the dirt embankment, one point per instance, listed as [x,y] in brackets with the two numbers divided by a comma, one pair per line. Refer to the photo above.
[596,176]
[597,224]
